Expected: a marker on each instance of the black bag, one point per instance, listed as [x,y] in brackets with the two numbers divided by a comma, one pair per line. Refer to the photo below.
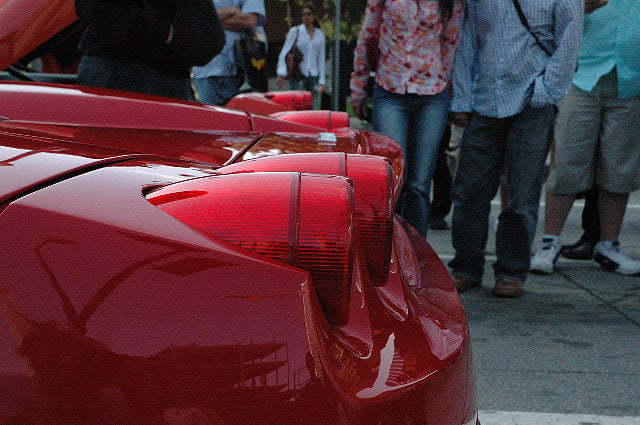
[251,59]
[293,59]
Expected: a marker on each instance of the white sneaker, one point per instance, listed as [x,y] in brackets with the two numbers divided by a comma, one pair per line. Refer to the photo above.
[545,257]
[608,257]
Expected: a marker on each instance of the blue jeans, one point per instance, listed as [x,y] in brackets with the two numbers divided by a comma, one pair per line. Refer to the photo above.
[309,84]
[216,90]
[417,123]
[517,145]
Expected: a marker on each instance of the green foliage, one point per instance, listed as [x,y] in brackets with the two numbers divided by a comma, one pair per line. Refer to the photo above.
[352,12]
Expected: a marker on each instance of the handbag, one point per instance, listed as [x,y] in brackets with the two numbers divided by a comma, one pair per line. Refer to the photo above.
[293,59]
[251,59]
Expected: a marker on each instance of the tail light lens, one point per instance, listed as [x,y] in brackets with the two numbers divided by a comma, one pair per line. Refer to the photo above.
[302,219]
[372,178]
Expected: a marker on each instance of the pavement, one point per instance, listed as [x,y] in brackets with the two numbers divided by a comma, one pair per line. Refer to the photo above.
[568,351]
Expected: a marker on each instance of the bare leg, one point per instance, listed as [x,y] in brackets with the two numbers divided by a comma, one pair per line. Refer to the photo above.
[612,209]
[556,211]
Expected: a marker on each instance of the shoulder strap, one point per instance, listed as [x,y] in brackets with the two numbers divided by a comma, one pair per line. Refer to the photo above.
[525,23]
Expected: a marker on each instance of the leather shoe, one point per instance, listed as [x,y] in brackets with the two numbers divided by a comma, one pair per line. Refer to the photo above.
[581,250]
[508,288]
[464,283]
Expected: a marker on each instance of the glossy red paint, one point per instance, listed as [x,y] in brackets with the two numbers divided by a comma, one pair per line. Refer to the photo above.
[120,312]
[79,105]
[114,311]
[24,25]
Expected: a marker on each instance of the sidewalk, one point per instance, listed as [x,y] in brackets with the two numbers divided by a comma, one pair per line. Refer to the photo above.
[571,344]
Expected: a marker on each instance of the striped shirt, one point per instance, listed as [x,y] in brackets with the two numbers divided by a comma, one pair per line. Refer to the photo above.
[499,68]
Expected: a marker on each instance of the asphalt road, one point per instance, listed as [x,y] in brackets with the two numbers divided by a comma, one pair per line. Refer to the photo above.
[569,346]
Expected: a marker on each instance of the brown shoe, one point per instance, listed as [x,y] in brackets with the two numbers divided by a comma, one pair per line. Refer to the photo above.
[463,282]
[508,288]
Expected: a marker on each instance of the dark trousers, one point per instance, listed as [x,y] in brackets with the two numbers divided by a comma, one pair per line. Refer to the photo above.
[132,76]
[441,200]
[519,146]
[591,215]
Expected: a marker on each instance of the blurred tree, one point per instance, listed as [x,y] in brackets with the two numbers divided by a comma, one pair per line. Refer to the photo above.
[282,14]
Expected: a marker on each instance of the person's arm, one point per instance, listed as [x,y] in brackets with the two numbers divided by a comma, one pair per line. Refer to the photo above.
[366,48]
[463,70]
[281,70]
[251,14]
[449,38]
[558,73]
[240,21]
[227,12]
[322,60]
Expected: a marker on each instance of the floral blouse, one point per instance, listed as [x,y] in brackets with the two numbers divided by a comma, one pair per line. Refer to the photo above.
[414,49]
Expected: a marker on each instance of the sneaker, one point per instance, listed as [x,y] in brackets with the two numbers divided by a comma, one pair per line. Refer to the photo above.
[463,282]
[608,257]
[544,260]
[507,287]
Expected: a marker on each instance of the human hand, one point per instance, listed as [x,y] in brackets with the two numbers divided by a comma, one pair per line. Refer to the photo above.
[170,35]
[461,119]
[361,109]
[280,81]
[228,12]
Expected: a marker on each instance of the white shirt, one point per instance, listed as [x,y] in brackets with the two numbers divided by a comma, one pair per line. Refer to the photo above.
[313,50]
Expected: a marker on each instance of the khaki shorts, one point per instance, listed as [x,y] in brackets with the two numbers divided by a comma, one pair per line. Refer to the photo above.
[597,139]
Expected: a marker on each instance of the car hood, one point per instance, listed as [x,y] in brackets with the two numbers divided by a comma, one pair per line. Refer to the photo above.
[27,24]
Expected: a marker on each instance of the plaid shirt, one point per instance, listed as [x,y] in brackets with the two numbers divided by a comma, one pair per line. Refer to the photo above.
[499,68]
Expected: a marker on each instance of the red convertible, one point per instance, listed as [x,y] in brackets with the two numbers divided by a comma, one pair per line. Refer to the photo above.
[169,262]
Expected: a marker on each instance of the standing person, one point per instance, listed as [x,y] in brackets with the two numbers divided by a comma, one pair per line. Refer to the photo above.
[506,83]
[410,45]
[311,41]
[217,81]
[441,201]
[146,46]
[597,136]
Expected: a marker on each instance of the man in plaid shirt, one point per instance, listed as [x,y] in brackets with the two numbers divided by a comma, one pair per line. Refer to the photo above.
[507,79]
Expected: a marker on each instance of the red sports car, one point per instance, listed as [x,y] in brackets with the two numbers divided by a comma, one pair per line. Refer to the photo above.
[168,262]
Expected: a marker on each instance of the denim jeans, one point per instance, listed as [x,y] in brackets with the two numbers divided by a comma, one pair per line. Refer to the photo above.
[309,84]
[417,123]
[517,145]
[216,90]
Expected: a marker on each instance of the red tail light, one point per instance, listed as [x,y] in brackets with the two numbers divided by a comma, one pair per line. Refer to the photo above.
[322,119]
[373,188]
[301,219]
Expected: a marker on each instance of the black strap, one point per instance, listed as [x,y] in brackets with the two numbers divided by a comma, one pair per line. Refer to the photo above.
[525,23]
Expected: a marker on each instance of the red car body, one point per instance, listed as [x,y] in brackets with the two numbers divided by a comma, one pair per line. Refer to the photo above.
[171,262]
